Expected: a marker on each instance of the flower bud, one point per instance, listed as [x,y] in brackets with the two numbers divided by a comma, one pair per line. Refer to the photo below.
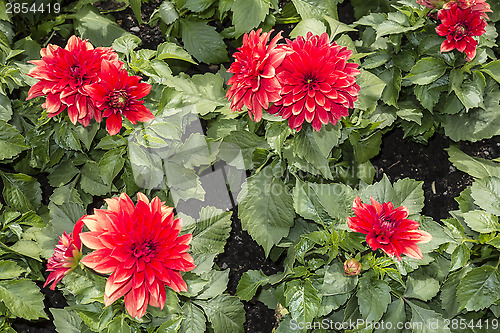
[352,267]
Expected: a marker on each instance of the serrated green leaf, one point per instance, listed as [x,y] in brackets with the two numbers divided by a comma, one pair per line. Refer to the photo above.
[381,191]
[492,69]
[395,314]
[302,300]
[410,194]
[373,297]
[90,24]
[225,313]
[11,141]
[91,182]
[481,221]
[336,282]
[62,174]
[427,321]
[421,287]
[66,321]
[248,14]
[474,166]
[486,194]
[397,23]
[203,42]
[315,9]
[266,209]
[110,164]
[87,287]
[392,78]
[5,108]
[312,25]
[371,88]
[426,70]
[168,13]
[23,298]
[460,256]
[479,289]
[449,291]
[173,51]
[10,270]
[249,282]
[170,326]
[211,231]
[194,319]
[21,191]
[66,137]
[111,141]
[198,6]
[238,147]
[63,217]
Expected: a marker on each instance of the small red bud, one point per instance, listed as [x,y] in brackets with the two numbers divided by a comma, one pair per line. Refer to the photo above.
[352,267]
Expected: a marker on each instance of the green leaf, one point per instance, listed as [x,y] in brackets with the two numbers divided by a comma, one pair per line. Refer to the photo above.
[474,166]
[302,300]
[315,9]
[112,141]
[198,6]
[173,51]
[126,44]
[460,257]
[110,164]
[238,147]
[91,182]
[203,42]
[136,8]
[11,141]
[410,194]
[481,221]
[66,137]
[168,13]
[205,91]
[249,282]
[23,298]
[67,321]
[449,292]
[10,270]
[248,14]
[64,217]
[323,202]
[438,232]
[62,174]
[98,29]
[87,287]
[225,313]
[479,288]
[5,108]
[21,191]
[266,209]
[373,297]
[211,231]
[306,147]
[395,314]
[170,326]
[397,23]
[426,70]
[486,194]
[381,191]
[492,69]
[276,134]
[392,78]
[336,282]
[194,319]
[316,27]
[421,287]
[428,321]
[371,88]
[410,113]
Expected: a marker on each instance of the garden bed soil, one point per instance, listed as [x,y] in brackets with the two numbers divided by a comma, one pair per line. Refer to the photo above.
[398,159]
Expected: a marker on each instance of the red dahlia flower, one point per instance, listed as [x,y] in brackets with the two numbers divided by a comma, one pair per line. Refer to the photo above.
[480,6]
[67,254]
[459,26]
[388,228]
[319,85]
[118,94]
[254,83]
[141,248]
[64,74]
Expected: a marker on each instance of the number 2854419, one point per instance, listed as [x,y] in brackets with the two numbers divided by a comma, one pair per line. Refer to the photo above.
[24,8]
